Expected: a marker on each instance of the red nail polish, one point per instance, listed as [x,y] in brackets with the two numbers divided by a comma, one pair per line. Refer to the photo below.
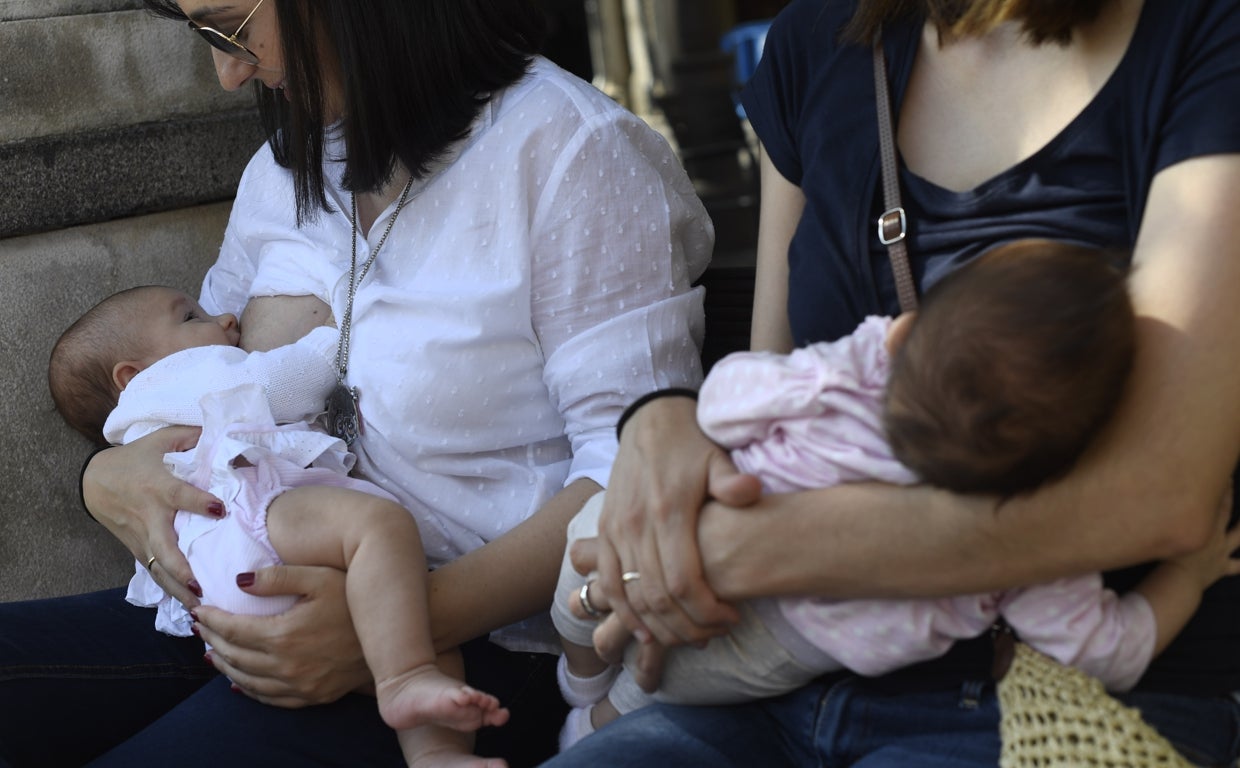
[235,688]
[215,509]
[196,588]
[207,658]
[194,628]
[193,616]
[245,579]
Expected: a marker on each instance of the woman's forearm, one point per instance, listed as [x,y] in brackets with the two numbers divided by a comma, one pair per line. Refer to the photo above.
[853,541]
[508,579]
[871,540]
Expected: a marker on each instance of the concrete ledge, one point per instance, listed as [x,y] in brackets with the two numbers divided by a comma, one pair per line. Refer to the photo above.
[110,111]
[48,546]
[61,181]
[15,10]
[72,74]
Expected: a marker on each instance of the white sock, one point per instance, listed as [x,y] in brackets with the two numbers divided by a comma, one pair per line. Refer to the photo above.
[577,726]
[583,691]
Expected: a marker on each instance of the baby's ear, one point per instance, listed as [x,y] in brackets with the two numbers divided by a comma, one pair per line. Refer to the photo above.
[124,371]
[897,332]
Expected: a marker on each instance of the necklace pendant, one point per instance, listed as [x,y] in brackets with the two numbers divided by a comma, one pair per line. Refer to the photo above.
[344,420]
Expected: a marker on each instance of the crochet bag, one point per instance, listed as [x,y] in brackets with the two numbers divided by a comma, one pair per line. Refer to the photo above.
[1055,715]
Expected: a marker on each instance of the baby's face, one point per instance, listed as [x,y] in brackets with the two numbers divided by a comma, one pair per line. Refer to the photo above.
[172,321]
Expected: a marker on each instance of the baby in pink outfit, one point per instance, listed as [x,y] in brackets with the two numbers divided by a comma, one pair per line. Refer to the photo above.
[150,357]
[995,385]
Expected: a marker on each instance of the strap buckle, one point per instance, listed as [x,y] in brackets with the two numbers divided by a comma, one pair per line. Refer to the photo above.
[892,226]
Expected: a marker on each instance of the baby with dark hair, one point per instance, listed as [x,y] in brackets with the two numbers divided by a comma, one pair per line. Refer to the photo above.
[998,383]
[150,357]
[1010,368]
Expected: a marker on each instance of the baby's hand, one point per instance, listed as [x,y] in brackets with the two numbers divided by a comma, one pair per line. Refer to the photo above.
[1215,560]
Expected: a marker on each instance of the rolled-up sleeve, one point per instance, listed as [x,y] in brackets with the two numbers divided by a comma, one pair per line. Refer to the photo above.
[619,238]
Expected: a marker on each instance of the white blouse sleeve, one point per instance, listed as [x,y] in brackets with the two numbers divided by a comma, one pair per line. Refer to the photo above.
[264,251]
[618,238]
[296,378]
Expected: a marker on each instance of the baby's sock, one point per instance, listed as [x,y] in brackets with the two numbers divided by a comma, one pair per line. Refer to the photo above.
[583,691]
[577,726]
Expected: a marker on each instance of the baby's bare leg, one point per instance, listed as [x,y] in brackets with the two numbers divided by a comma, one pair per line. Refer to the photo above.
[375,541]
[583,661]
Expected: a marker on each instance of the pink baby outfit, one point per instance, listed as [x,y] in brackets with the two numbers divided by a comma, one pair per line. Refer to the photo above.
[256,443]
[812,419]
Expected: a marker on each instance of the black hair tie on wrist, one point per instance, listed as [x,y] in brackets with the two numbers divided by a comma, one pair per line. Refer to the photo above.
[82,479]
[646,398]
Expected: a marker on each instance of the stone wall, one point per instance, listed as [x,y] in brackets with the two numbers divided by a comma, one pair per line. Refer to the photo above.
[119,154]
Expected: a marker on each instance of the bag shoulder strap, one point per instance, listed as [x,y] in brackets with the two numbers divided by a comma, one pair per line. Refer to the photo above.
[893,223]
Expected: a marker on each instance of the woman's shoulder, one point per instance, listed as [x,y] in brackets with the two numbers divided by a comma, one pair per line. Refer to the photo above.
[548,93]
[1187,28]
[813,27]
[552,113]
[262,172]
[807,15]
[1178,80]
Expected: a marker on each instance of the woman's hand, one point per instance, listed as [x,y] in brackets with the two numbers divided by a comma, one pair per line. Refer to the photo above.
[128,490]
[665,471]
[307,655]
[611,637]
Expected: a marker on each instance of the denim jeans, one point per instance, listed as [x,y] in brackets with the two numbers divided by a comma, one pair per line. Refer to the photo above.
[857,724]
[88,680]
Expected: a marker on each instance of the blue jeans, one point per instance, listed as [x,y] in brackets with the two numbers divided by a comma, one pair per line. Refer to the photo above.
[861,725]
[88,680]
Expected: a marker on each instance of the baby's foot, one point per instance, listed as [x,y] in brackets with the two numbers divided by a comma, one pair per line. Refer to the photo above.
[424,695]
[584,691]
[432,746]
[577,726]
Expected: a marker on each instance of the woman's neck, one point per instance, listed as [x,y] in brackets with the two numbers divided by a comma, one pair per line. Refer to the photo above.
[371,204]
[976,106]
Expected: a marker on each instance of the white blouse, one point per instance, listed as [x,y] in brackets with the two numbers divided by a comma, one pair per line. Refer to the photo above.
[536,283]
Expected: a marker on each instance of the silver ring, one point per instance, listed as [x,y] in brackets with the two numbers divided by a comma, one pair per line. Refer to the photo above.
[628,577]
[150,562]
[584,596]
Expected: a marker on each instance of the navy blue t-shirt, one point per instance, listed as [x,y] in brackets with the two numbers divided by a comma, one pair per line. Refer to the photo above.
[1174,95]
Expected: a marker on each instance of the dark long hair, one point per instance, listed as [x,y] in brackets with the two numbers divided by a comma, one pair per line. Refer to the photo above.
[413,74]
[1041,20]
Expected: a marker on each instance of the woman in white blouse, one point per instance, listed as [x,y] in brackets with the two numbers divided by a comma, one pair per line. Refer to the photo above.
[533,247]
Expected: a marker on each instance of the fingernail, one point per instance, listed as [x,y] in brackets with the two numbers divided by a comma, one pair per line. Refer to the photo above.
[207,658]
[245,579]
[235,688]
[215,509]
[642,635]
[193,616]
[194,628]
[196,588]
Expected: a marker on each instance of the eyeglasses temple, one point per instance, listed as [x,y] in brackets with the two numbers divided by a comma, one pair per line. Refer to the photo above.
[233,36]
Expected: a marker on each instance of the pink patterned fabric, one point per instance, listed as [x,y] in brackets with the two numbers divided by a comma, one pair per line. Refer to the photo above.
[812,419]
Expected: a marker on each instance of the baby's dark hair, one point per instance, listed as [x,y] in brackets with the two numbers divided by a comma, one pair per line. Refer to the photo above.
[1011,366]
[79,372]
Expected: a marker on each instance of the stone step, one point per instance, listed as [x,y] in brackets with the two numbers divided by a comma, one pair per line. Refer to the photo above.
[111,111]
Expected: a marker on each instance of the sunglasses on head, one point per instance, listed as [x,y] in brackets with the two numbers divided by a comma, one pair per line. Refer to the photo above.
[228,43]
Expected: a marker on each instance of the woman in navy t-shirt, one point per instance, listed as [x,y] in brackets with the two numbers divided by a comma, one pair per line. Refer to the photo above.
[1112,123]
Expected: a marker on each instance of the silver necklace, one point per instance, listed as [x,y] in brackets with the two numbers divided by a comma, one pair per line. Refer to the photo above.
[344,419]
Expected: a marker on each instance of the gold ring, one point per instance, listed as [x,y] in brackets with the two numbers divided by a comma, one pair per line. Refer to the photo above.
[628,577]
[584,596]
[150,562]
